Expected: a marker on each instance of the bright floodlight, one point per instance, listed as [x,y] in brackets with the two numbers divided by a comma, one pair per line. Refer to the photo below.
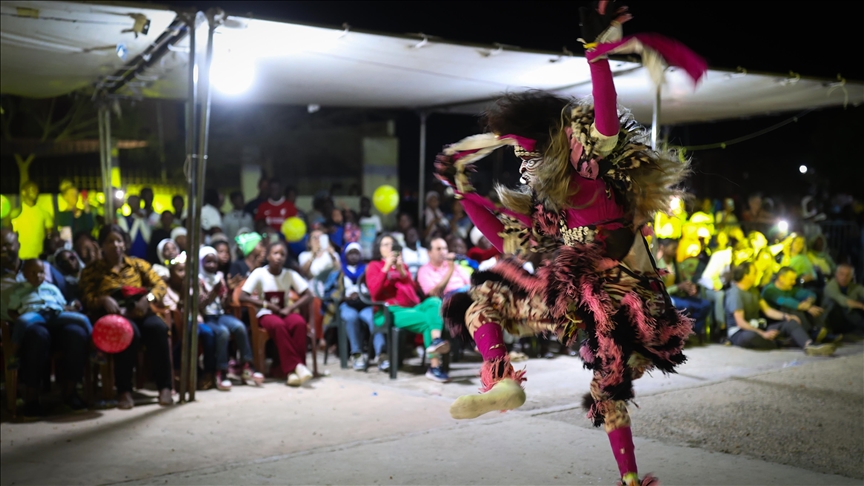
[118,194]
[675,203]
[232,74]
[802,169]
[783,225]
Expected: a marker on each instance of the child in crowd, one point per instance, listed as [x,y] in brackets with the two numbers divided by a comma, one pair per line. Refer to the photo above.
[37,301]
[214,293]
[278,314]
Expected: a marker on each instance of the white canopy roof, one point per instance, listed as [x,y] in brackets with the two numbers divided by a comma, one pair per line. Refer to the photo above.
[71,45]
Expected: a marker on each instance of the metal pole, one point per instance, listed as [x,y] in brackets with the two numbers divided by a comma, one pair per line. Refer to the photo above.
[655,119]
[106,180]
[421,191]
[109,165]
[200,168]
[188,360]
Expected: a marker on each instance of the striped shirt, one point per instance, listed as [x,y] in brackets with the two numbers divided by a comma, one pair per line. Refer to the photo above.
[99,279]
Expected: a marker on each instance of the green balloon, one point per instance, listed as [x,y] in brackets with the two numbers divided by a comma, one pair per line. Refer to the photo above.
[5,207]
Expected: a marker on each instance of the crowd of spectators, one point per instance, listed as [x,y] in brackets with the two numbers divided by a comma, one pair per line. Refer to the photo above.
[744,278]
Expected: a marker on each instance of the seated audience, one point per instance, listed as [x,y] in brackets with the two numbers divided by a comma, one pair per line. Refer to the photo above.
[137,228]
[766,267]
[277,314]
[211,217]
[433,218]
[460,223]
[785,295]
[161,232]
[353,232]
[683,292]
[797,259]
[442,276]
[483,251]
[370,226]
[390,281]
[44,325]
[223,253]
[403,223]
[86,248]
[180,238]
[253,250]
[457,245]
[820,258]
[166,251]
[352,310]
[335,227]
[120,284]
[275,210]
[173,301]
[69,266]
[748,330]
[237,218]
[214,293]
[413,253]
[844,300]
[319,257]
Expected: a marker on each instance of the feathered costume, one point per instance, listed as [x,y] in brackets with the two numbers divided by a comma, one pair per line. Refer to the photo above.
[591,182]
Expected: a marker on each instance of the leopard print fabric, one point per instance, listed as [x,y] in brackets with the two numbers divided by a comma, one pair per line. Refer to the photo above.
[496,302]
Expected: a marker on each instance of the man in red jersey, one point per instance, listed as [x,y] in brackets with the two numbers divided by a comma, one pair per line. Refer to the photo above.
[276,209]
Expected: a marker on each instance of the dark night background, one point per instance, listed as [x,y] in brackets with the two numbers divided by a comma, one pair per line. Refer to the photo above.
[811,39]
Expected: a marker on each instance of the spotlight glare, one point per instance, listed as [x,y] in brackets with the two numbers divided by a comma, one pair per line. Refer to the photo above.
[119,194]
[802,169]
[783,226]
[232,74]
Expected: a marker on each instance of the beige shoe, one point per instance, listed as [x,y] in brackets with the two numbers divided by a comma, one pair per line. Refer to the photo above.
[304,373]
[819,350]
[505,395]
[293,380]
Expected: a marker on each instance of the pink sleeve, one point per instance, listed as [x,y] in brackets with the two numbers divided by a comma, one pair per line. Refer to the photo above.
[484,220]
[605,98]
[425,279]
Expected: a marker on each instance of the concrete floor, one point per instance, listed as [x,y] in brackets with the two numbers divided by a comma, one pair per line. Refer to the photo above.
[730,417]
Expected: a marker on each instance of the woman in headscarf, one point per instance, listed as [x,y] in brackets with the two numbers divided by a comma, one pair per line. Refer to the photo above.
[166,251]
[214,293]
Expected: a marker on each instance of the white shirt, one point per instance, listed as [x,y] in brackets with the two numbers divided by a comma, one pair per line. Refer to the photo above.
[262,281]
[233,221]
[319,265]
[415,259]
[430,214]
[210,218]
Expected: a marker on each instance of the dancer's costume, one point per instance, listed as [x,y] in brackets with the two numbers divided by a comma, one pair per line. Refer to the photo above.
[591,183]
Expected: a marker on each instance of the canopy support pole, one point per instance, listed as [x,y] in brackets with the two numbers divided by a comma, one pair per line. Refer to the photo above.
[188,360]
[104,119]
[421,193]
[197,172]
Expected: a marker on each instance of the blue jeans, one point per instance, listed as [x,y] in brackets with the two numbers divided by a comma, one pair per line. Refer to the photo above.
[207,340]
[697,309]
[224,327]
[352,317]
[50,320]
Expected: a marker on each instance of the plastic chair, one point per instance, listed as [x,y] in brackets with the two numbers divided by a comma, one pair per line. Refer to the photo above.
[259,336]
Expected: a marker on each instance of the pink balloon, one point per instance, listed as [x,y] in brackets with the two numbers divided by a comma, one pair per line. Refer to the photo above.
[112,333]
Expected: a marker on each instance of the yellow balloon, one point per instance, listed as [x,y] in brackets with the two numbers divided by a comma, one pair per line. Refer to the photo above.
[385,199]
[294,229]
[5,207]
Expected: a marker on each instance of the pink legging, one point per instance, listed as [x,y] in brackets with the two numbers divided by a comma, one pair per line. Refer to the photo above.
[289,334]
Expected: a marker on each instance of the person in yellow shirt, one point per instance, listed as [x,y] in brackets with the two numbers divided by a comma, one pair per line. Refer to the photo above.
[32,224]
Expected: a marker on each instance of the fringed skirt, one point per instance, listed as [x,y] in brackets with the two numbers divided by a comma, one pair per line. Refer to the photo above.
[622,313]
